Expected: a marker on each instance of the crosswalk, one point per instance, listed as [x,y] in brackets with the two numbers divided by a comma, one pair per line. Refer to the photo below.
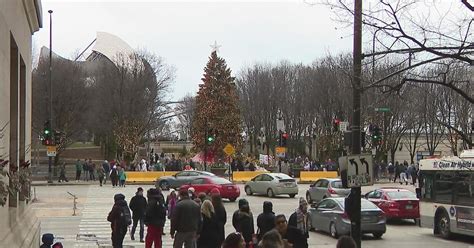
[94,229]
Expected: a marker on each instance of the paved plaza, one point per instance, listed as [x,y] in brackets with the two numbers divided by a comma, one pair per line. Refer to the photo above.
[91,229]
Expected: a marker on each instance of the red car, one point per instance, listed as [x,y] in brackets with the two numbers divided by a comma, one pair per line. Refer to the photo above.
[205,184]
[396,203]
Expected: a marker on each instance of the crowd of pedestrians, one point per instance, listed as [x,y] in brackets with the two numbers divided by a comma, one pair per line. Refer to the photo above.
[199,221]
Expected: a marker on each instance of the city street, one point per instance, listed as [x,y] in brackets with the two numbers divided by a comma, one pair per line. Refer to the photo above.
[91,229]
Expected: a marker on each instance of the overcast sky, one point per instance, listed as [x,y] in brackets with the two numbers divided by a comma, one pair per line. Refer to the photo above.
[182,32]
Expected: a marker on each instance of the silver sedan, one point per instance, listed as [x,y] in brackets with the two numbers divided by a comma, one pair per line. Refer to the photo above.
[272,184]
[325,188]
[330,216]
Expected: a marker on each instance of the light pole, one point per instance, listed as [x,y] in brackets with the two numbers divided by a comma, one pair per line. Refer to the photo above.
[50,159]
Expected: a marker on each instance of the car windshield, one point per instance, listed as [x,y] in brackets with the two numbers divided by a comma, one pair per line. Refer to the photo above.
[365,204]
[401,194]
[336,184]
[219,180]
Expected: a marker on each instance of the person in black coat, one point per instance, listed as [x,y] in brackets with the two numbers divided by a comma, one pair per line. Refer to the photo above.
[291,235]
[235,216]
[155,218]
[245,224]
[138,206]
[266,220]
[221,216]
[209,232]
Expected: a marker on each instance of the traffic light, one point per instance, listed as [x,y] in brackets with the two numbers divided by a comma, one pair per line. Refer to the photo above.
[210,136]
[47,138]
[284,139]
[376,135]
[335,124]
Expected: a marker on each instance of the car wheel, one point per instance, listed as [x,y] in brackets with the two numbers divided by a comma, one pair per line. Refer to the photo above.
[377,235]
[443,225]
[308,198]
[232,199]
[248,190]
[270,193]
[292,195]
[333,230]
[164,185]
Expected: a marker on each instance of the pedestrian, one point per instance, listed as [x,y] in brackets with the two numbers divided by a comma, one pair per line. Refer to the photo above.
[62,173]
[191,192]
[122,176]
[300,220]
[208,237]
[155,218]
[235,216]
[414,174]
[114,176]
[106,167]
[101,175]
[92,170]
[398,170]
[85,168]
[391,171]
[138,205]
[234,240]
[244,224]
[203,196]
[221,215]
[272,239]
[171,201]
[120,218]
[266,220]
[47,239]
[292,237]
[78,170]
[185,222]
[403,175]
[346,242]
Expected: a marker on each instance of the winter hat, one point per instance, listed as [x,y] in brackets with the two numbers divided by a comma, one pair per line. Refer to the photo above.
[172,190]
[191,189]
[267,207]
[215,191]
[47,239]
[139,189]
[118,197]
[243,202]
[303,201]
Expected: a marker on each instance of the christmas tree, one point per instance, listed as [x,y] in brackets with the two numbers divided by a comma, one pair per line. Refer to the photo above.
[217,120]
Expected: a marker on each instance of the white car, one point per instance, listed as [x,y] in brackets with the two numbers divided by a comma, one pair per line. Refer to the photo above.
[272,184]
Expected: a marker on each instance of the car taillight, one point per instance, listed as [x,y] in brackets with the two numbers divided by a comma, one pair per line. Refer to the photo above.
[331,191]
[393,205]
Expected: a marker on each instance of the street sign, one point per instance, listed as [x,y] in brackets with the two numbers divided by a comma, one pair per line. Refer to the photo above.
[343,126]
[229,150]
[357,170]
[382,109]
[51,151]
[280,125]
[280,151]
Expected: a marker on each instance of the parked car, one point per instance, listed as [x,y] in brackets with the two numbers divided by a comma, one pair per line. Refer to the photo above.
[180,178]
[324,188]
[272,184]
[330,216]
[396,203]
[227,188]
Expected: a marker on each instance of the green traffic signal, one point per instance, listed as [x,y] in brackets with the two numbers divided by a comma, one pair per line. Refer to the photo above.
[46,131]
[210,139]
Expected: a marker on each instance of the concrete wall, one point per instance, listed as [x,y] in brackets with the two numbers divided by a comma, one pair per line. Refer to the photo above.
[19,19]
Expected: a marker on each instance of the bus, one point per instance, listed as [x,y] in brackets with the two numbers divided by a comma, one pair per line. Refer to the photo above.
[446,192]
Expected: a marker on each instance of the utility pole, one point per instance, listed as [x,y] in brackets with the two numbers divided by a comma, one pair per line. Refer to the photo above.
[356,91]
[205,147]
[50,159]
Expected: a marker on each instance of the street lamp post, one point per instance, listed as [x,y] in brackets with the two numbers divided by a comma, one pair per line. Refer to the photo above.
[50,159]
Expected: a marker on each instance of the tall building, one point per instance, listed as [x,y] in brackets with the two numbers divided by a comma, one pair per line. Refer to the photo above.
[19,20]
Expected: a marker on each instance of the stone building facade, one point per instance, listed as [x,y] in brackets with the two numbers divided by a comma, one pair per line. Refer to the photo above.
[19,20]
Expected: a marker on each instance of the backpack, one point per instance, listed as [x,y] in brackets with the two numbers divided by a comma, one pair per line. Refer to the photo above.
[126,216]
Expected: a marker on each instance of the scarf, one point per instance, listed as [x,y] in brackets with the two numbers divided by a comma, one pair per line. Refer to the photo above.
[302,221]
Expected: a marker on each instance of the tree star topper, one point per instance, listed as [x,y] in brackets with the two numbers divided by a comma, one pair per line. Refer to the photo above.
[215,47]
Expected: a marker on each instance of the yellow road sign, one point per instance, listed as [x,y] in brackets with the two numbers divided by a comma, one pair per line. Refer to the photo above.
[229,150]
[51,151]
